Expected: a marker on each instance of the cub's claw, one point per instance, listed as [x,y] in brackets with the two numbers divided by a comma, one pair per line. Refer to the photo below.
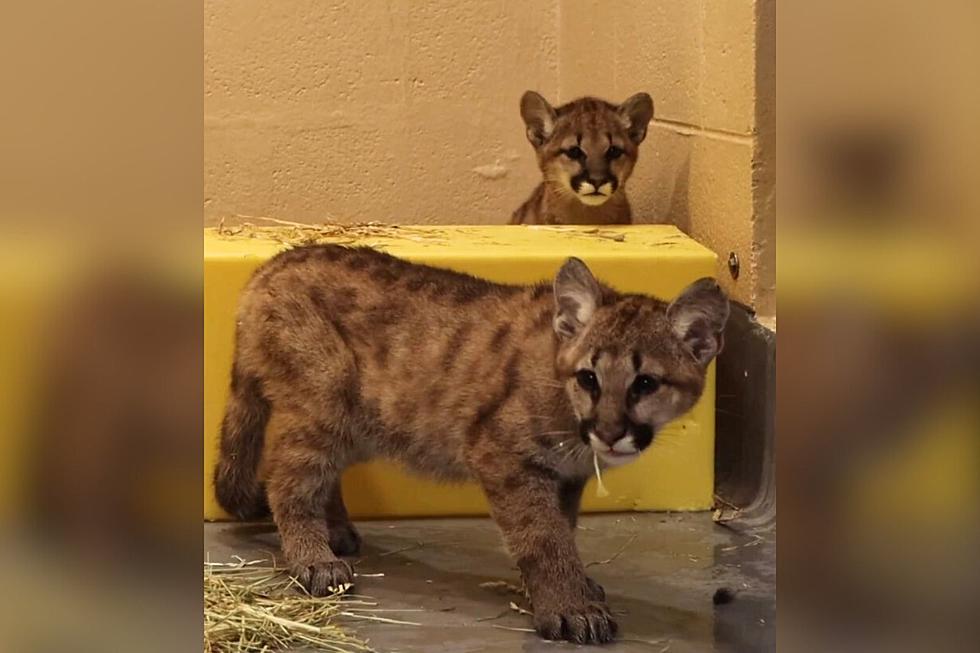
[587,624]
[325,578]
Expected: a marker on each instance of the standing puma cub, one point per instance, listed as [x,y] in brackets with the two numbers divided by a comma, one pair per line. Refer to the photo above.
[586,151]
[346,354]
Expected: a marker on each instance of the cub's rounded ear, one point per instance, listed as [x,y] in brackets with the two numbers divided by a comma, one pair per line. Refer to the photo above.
[577,295]
[636,113]
[698,316]
[539,117]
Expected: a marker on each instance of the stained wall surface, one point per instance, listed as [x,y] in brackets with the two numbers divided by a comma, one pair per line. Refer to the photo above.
[406,111]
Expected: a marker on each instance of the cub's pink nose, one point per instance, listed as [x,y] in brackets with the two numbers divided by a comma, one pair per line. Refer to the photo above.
[610,435]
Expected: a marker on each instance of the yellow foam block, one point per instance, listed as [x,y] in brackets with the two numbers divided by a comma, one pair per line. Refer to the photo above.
[676,472]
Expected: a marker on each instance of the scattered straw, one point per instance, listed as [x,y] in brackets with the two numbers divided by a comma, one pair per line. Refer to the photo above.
[297,233]
[611,235]
[499,615]
[594,232]
[614,556]
[519,610]
[648,643]
[502,587]
[411,547]
[252,606]
[511,628]
[725,511]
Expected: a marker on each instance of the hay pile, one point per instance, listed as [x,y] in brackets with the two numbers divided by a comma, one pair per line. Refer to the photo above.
[252,606]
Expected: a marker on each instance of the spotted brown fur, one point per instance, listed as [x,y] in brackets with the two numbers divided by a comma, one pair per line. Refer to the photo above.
[347,354]
[573,145]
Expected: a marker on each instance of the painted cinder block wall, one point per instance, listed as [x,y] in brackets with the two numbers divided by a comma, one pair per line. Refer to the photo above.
[406,111]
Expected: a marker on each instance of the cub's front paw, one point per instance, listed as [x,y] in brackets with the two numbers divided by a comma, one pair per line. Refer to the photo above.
[588,623]
[324,577]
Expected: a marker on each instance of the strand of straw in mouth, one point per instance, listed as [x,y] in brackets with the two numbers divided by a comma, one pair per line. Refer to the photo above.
[600,490]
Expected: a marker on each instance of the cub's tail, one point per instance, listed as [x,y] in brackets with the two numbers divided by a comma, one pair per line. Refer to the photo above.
[236,481]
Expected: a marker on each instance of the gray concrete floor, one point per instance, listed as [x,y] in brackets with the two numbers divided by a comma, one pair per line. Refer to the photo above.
[660,571]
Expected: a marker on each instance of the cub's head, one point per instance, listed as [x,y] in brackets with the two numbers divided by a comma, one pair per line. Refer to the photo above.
[632,363]
[587,147]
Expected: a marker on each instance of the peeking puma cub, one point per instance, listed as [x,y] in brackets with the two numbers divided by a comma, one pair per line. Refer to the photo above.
[346,354]
[586,151]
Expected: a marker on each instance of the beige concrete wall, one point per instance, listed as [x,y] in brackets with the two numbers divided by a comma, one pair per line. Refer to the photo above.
[406,111]
[399,111]
[707,163]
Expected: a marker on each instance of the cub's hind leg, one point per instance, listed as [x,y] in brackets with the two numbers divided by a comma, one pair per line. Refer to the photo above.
[302,475]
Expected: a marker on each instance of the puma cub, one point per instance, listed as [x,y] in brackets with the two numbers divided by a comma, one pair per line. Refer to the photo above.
[347,354]
[586,151]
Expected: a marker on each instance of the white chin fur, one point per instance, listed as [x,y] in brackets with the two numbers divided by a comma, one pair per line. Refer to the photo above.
[592,200]
[625,445]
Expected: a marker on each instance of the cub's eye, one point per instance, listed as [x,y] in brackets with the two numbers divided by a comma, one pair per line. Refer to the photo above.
[575,152]
[614,152]
[587,380]
[644,384]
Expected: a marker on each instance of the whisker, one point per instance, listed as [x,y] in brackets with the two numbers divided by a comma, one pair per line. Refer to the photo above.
[562,456]
[572,452]
[572,456]
[566,446]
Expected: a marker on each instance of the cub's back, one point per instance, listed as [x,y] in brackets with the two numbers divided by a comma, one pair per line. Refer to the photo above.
[419,346]
[370,292]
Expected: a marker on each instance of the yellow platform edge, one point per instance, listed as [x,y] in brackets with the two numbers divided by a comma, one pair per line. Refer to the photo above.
[676,473]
